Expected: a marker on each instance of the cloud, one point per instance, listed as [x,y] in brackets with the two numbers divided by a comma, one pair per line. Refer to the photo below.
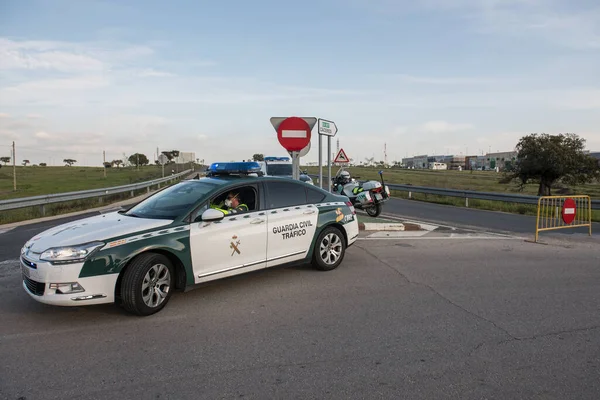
[43,135]
[444,80]
[154,73]
[46,56]
[561,22]
[441,127]
[4,115]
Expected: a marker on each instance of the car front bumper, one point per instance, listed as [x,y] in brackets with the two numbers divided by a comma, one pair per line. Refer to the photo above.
[37,277]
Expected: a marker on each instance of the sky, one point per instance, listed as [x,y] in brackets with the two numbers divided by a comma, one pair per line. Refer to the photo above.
[83,77]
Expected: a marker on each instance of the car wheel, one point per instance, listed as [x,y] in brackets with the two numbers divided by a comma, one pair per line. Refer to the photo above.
[330,249]
[148,283]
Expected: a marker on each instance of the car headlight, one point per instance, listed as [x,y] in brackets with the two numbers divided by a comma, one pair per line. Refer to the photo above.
[67,254]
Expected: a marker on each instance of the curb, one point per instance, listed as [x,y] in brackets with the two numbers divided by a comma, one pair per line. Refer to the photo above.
[389,227]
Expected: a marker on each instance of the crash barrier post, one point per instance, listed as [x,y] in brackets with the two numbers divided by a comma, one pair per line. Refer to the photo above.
[562,212]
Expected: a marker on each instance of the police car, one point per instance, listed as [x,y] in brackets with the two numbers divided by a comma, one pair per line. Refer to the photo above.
[176,240]
[281,166]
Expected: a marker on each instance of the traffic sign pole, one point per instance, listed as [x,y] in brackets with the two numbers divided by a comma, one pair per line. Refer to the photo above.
[329,162]
[320,162]
[329,129]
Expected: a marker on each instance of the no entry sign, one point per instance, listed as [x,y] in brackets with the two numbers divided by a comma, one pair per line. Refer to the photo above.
[294,133]
[569,210]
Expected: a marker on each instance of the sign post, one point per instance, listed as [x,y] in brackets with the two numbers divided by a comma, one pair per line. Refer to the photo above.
[329,129]
[294,135]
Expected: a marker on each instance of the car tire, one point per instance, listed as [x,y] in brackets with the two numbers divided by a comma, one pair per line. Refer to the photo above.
[148,277]
[329,250]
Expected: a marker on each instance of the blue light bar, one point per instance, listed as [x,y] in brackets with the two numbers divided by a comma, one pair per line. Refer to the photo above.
[277,159]
[224,168]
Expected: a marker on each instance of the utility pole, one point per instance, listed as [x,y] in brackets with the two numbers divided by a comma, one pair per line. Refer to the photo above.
[104,161]
[14,167]
[137,161]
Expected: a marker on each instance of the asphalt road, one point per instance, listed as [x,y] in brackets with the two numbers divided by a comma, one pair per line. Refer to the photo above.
[418,319]
[12,241]
[471,217]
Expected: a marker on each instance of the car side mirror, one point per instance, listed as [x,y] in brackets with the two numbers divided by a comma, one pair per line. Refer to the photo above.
[212,215]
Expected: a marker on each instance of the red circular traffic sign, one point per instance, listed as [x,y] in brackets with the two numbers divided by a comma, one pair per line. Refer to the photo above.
[294,134]
[569,209]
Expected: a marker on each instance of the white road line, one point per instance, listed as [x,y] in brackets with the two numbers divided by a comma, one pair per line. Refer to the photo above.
[9,262]
[6,230]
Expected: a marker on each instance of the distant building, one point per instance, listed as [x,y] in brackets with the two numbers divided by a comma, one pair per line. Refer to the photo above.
[471,162]
[408,162]
[421,162]
[438,165]
[185,158]
[501,160]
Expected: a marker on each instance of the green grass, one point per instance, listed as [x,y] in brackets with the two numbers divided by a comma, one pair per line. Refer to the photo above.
[33,181]
[481,181]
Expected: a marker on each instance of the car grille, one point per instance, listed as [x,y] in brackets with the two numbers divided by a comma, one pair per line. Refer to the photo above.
[34,287]
[28,263]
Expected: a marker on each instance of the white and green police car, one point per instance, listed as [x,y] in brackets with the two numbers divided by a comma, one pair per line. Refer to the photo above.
[176,240]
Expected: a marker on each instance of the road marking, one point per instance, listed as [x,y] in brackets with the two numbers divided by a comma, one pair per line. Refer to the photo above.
[9,262]
[384,234]
[463,237]
[6,230]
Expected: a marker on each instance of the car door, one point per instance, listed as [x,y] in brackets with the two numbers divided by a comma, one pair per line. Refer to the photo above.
[235,244]
[292,222]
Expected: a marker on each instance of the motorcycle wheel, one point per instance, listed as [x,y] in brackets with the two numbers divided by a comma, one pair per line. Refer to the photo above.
[375,210]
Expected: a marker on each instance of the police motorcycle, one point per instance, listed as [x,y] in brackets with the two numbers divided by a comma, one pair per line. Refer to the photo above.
[368,196]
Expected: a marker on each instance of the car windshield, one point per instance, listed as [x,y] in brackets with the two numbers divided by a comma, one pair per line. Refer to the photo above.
[279,169]
[172,202]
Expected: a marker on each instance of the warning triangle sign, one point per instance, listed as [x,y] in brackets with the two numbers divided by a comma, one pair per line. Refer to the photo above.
[341,157]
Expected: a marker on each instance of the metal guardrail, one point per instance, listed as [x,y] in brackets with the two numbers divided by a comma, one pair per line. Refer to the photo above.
[43,200]
[471,194]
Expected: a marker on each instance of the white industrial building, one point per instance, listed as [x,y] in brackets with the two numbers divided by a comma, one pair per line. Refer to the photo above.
[185,157]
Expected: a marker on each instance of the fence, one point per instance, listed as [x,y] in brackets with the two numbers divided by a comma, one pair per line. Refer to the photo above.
[44,200]
[562,212]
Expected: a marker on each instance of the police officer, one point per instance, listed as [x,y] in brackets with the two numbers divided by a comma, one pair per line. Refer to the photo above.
[233,204]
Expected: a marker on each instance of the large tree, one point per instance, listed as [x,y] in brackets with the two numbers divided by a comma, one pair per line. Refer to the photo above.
[5,160]
[138,159]
[547,159]
[258,157]
[69,161]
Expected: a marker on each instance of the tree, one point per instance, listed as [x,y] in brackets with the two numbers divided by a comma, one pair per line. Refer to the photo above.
[107,164]
[171,154]
[25,162]
[258,157]
[43,164]
[547,159]
[69,161]
[138,159]
[117,162]
[5,160]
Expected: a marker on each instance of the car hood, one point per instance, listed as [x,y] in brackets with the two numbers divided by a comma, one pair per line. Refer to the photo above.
[99,227]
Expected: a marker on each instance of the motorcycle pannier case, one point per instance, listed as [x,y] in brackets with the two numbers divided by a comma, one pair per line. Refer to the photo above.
[370,185]
[364,198]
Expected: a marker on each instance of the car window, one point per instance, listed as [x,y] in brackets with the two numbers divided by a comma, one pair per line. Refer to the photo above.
[280,169]
[173,201]
[285,194]
[246,194]
[314,196]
